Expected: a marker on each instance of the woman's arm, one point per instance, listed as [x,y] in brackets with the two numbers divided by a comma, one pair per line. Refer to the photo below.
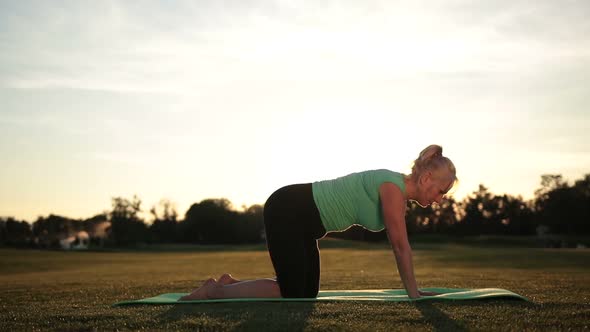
[394,210]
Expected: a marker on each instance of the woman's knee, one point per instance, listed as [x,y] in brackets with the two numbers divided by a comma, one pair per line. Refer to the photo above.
[276,290]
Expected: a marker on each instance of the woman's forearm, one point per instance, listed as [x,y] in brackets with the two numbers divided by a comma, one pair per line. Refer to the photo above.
[403,258]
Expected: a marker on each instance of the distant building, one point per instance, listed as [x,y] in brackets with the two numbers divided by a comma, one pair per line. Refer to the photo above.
[79,241]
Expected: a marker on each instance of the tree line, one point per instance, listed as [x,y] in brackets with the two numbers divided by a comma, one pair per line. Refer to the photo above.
[557,208]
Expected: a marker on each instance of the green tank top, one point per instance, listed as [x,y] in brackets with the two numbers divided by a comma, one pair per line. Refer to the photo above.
[354,199]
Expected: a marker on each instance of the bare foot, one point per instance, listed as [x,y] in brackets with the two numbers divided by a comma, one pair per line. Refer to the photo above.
[227,279]
[200,293]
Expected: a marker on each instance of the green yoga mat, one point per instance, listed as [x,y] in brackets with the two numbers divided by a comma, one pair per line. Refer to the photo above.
[384,295]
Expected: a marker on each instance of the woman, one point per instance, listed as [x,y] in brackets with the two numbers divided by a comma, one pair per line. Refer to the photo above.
[296,216]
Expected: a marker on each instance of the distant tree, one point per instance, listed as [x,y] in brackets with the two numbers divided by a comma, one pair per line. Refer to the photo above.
[418,219]
[475,212]
[92,222]
[3,232]
[210,221]
[581,223]
[549,183]
[519,216]
[164,226]
[432,219]
[485,213]
[14,232]
[98,228]
[583,186]
[126,226]
[445,216]
[563,208]
[250,224]
[48,231]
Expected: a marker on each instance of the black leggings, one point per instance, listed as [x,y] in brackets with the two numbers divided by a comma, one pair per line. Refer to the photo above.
[293,226]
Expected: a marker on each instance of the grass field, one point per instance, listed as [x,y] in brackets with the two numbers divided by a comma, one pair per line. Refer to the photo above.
[65,291]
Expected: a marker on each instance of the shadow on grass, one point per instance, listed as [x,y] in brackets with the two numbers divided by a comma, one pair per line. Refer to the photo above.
[440,321]
[292,316]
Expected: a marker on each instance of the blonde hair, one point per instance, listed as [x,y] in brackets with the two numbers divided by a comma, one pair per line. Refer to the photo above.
[431,159]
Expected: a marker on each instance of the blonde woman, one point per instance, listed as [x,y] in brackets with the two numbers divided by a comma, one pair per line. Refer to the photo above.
[296,216]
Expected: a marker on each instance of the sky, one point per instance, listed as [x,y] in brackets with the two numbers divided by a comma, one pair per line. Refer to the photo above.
[189,100]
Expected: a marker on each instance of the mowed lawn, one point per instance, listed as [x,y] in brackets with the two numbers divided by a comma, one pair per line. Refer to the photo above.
[65,291]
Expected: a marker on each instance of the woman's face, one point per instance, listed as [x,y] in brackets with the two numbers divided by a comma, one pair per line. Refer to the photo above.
[432,190]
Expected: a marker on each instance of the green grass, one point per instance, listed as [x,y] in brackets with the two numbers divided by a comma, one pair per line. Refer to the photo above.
[65,291]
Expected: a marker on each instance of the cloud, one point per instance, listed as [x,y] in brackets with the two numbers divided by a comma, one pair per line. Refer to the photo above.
[187,47]
[180,86]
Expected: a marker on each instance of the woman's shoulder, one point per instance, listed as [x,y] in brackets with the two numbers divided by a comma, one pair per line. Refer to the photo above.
[385,172]
[384,175]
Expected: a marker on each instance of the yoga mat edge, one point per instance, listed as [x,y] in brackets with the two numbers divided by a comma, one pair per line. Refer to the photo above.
[383,295]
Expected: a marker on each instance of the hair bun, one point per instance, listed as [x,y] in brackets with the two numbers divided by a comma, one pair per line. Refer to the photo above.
[432,151]
[432,159]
